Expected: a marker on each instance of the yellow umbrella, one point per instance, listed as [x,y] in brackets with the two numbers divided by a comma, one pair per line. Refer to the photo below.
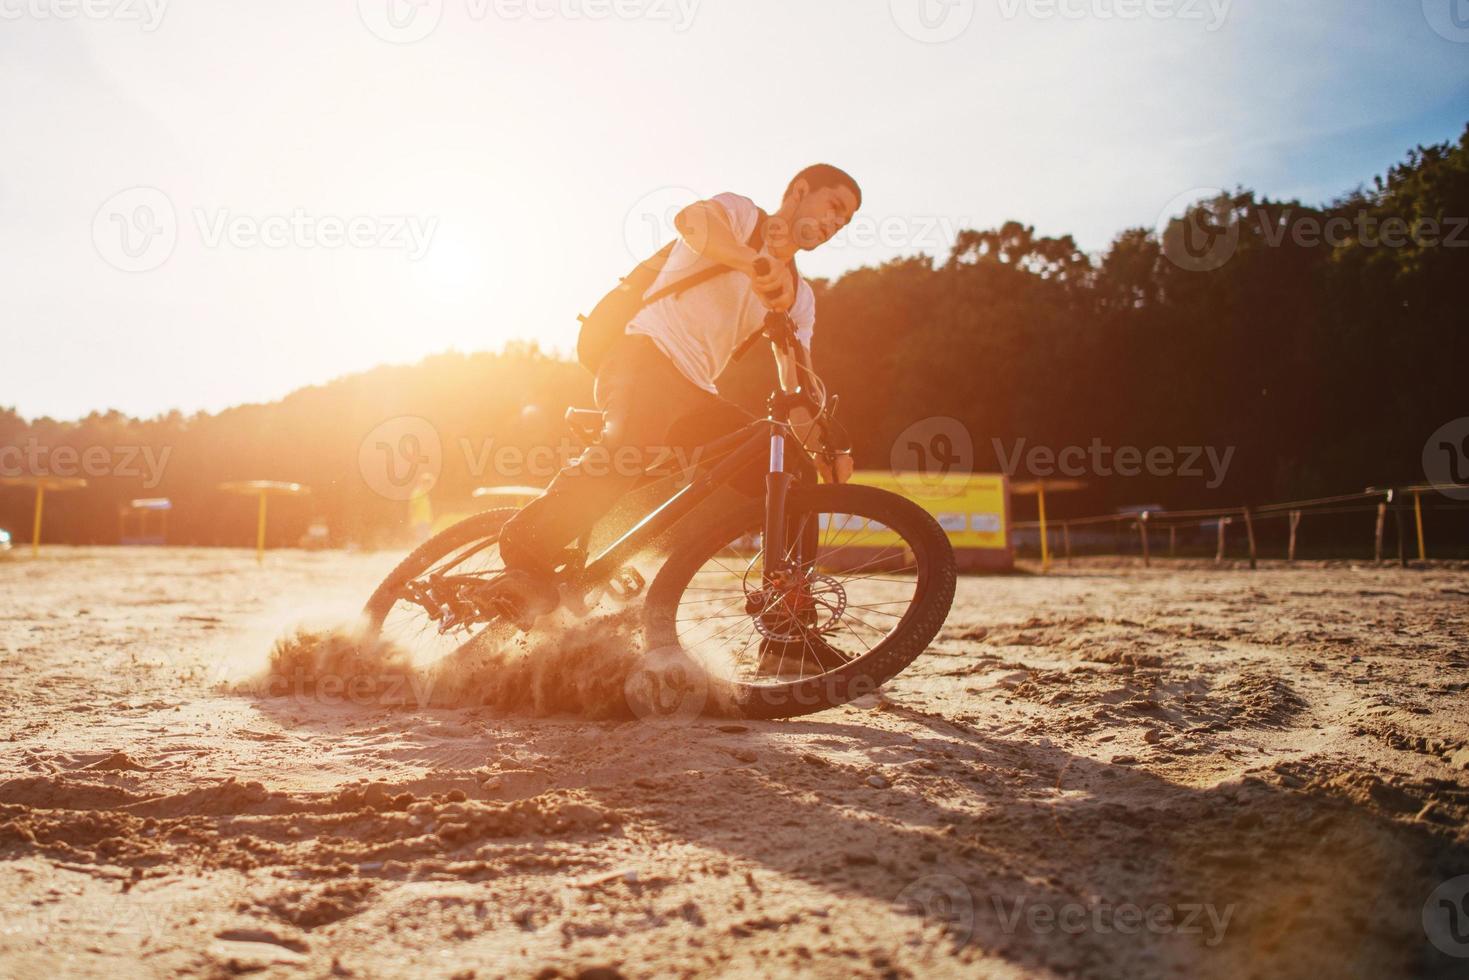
[42,484]
[263,489]
[1039,488]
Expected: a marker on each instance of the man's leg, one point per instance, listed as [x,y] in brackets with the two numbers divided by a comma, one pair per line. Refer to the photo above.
[715,418]
[642,394]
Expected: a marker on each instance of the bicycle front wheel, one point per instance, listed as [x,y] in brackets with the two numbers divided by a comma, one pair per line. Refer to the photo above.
[853,613]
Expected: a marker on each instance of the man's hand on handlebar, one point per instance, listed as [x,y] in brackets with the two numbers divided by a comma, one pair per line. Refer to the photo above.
[774,284]
[833,461]
[825,440]
[834,458]
[837,469]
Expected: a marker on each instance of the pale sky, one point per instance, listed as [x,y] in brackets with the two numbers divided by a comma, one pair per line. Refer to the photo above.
[498,173]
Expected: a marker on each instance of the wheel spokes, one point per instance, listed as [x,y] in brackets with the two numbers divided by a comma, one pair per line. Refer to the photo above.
[418,615]
[842,603]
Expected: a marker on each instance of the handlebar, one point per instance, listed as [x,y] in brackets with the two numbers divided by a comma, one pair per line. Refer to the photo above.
[782,332]
[778,326]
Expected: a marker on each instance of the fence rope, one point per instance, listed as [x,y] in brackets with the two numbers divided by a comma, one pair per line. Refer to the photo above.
[1214,515]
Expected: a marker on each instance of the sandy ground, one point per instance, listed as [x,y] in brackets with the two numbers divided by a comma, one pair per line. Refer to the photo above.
[1182,771]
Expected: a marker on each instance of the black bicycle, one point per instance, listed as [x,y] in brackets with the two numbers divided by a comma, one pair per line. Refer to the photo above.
[801,601]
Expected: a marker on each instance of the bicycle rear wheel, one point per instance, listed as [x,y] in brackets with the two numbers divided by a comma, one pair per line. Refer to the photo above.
[427,603]
[864,606]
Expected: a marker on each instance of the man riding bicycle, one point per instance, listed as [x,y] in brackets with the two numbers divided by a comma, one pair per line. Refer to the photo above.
[731,266]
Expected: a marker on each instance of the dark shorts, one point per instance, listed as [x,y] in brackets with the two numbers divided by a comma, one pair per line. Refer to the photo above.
[655,417]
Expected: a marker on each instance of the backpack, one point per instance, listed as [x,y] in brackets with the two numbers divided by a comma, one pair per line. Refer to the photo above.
[609,319]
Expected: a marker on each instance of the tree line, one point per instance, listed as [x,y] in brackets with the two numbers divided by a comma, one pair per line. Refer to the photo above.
[1318,345]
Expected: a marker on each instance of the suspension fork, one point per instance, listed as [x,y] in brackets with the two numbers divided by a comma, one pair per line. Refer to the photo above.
[777,489]
[797,553]
[778,482]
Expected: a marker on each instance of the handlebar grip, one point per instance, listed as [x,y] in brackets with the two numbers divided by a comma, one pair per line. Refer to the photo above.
[762,268]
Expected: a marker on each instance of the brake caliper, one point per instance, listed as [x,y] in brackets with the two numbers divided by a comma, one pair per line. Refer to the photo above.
[787,609]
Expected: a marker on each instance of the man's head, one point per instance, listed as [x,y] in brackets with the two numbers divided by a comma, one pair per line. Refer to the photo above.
[818,203]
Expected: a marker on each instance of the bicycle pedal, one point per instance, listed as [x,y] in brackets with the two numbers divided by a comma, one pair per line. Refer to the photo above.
[627,584]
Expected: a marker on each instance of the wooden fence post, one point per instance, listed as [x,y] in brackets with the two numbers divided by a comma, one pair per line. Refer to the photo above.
[1040,496]
[1397,513]
[1295,522]
[1219,555]
[36,520]
[1250,530]
[1418,519]
[1377,538]
[1142,528]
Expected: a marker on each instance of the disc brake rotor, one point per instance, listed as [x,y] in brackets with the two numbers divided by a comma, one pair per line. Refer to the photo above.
[792,613]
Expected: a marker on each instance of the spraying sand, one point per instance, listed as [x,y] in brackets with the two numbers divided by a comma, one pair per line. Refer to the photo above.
[1184,771]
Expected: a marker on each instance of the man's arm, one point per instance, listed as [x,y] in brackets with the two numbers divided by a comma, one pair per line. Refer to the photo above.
[704,227]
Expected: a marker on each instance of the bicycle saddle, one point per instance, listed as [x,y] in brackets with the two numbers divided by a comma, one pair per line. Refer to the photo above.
[586,424]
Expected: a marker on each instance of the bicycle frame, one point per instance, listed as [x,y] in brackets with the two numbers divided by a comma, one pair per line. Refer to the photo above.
[749,446]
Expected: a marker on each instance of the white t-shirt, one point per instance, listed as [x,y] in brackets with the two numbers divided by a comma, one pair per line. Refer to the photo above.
[701,328]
